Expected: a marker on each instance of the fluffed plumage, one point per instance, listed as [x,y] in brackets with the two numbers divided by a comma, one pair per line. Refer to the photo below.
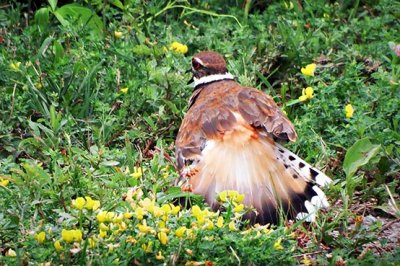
[227,142]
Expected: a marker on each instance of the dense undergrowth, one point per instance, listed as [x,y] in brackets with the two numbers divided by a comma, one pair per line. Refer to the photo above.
[92,95]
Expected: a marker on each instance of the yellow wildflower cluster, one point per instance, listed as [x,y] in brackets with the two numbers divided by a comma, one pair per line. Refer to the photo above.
[165,172]
[40,237]
[309,70]
[58,246]
[137,172]
[124,90]
[230,196]
[259,229]
[111,221]
[307,94]
[118,34]
[153,227]
[349,110]
[87,203]
[69,236]
[15,66]
[278,245]
[202,216]
[4,182]
[178,48]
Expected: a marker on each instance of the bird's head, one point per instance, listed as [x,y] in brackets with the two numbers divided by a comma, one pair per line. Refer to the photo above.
[209,66]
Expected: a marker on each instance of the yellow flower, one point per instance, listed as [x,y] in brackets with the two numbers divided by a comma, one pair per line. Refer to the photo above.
[157,211]
[196,211]
[209,225]
[70,236]
[118,34]
[178,48]
[239,198]
[238,208]
[122,226]
[180,232]
[89,202]
[220,222]
[128,215]
[348,109]
[96,205]
[223,196]
[309,70]
[110,216]
[38,85]
[306,94]
[131,239]
[175,209]
[77,235]
[57,245]
[101,216]
[163,238]
[79,203]
[102,234]
[148,247]
[11,253]
[144,228]
[160,256]
[4,182]
[40,237]
[15,66]
[189,252]
[232,226]
[277,244]
[103,227]
[118,218]
[230,195]
[137,172]
[139,212]
[67,235]
[166,208]
[92,242]
[124,90]
[306,261]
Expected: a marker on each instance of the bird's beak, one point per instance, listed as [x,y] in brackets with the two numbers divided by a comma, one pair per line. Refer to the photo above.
[191,79]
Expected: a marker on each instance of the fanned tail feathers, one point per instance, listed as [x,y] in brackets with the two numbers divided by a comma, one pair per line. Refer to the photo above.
[273,179]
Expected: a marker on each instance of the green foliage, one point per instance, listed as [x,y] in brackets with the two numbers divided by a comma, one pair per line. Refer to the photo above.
[91,99]
[358,155]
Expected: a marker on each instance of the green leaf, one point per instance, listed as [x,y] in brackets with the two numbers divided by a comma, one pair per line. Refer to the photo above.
[132,181]
[358,155]
[150,121]
[80,18]
[45,45]
[58,50]
[53,4]
[118,4]
[42,18]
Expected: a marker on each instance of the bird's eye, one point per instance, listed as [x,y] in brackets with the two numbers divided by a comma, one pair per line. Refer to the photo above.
[196,65]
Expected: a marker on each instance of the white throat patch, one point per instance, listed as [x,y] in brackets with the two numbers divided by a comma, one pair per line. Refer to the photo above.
[211,78]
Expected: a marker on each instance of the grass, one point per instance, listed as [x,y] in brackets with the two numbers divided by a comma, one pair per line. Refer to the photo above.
[91,98]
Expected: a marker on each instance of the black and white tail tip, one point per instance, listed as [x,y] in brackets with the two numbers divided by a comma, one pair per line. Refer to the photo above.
[314,198]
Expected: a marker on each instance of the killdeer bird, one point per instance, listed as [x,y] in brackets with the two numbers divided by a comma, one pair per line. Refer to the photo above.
[228,141]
